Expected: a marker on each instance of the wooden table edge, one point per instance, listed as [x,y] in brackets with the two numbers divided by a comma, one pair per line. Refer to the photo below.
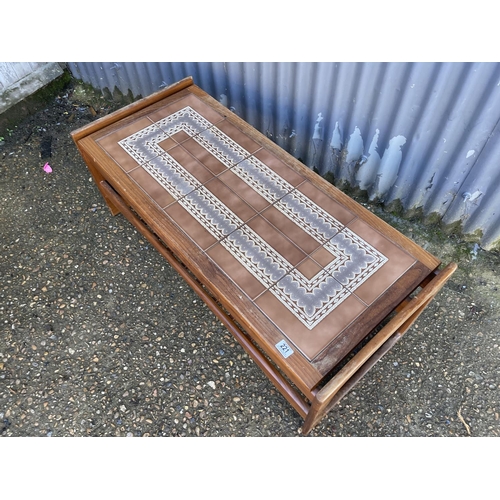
[130,109]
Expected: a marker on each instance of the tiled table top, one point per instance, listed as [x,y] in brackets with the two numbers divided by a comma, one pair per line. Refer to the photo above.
[308,263]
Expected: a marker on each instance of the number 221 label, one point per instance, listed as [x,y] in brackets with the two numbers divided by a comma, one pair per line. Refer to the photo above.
[284,349]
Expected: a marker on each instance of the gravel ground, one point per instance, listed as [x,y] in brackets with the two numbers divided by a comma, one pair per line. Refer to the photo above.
[99,337]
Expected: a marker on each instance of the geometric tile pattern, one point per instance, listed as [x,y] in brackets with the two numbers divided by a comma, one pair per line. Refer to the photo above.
[310,296]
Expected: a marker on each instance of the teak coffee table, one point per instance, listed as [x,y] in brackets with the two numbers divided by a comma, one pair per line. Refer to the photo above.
[313,286]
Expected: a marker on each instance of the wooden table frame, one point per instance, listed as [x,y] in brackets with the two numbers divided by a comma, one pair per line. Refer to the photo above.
[312,396]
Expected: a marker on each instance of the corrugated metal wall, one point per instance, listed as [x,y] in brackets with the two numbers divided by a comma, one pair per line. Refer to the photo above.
[425,134]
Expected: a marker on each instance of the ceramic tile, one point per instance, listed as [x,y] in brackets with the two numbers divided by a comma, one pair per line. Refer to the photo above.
[221,146]
[243,190]
[310,292]
[310,343]
[208,114]
[180,137]
[236,271]
[265,181]
[191,164]
[280,168]
[239,137]
[212,215]
[143,145]
[110,143]
[230,199]
[167,144]
[398,262]
[191,226]
[326,203]
[320,224]
[309,268]
[204,156]
[151,187]
[290,252]
[356,259]
[291,230]
[185,120]
[322,256]
[174,178]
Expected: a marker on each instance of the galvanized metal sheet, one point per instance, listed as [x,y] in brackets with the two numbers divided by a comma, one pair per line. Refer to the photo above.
[425,134]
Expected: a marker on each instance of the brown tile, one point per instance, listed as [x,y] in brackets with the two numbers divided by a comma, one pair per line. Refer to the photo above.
[204,157]
[167,144]
[322,256]
[290,230]
[110,143]
[279,167]
[250,285]
[152,187]
[308,268]
[238,136]
[180,137]
[230,199]
[190,100]
[310,342]
[190,225]
[244,191]
[191,164]
[399,262]
[277,240]
[326,203]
